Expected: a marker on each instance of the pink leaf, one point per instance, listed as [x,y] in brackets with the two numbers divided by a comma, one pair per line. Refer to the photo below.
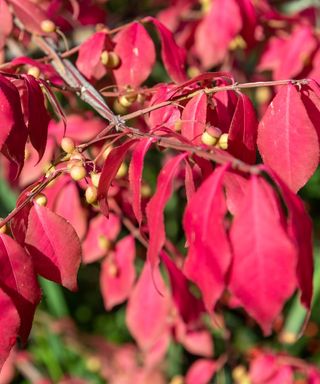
[68,206]
[287,139]
[54,246]
[19,281]
[147,310]
[101,229]
[136,51]
[189,307]
[109,171]
[198,342]
[38,118]
[224,18]
[194,118]
[30,15]
[135,175]
[263,255]
[10,324]
[89,59]
[5,22]
[209,255]
[243,131]
[173,56]
[201,371]
[118,273]
[156,206]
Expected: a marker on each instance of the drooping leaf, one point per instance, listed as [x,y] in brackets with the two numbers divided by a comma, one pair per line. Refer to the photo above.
[147,310]
[201,371]
[189,307]
[194,118]
[118,273]
[287,139]
[243,131]
[209,255]
[10,324]
[38,117]
[224,18]
[135,175]
[68,205]
[156,206]
[101,231]
[54,246]
[173,56]
[18,280]
[109,171]
[263,273]
[137,53]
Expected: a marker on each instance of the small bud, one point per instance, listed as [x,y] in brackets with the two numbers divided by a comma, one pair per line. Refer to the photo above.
[223,141]
[78,172]
[41,199]
[125,101]
[288,337]
[208,139]
[113,61]
[146,190]
[104,243]
[122,171]
[95,178]
[237,43]
[178,125]
[91,194]
[93,364]
[67,144]
[34,71]
[177,379]
[104,57]
[3,229]
[48,26]
[193,72]
[239,373]
[263,95]
[118,108]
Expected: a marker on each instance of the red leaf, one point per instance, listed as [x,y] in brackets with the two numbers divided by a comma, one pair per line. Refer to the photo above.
[209,252]
[243,131]
[54,246]
[194,118]
[224,18]
[100,229]
[173,56]
[300,230]
[19,281]
[156,206]
[235,185]
[30,15]
[147,310]
[5,22]
[287,139]
[10,324]
[135,175]
[38,118]
[189,307]
[189,181]
[136,51]
[89,59]
[118,273]
[109,171]
[68,206]
[263,270]
[201,371]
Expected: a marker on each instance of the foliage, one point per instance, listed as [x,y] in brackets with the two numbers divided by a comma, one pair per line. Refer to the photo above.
[158,161]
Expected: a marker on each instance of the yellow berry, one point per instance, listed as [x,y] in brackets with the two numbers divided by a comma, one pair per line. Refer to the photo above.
[239,373]
[146,190]
[178,125]
[223,141]
[78,172]
[177,379]
[118,108]
[208,139]
[91,194]
[141,98]
[103,243]
[48,26]
[263,95]
[95,178]
[237,43]
[113,60]
[93,364]
[67,144]
[193,72]
[3,229]
[34,71]
[41,199]
[104,57]
[125,101]
[122,171]
[288,337]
